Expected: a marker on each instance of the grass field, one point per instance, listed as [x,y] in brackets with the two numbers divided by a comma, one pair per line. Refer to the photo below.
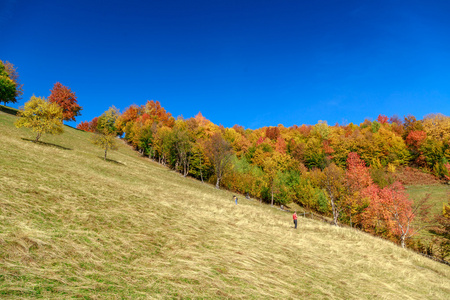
[439,194]
[75,226]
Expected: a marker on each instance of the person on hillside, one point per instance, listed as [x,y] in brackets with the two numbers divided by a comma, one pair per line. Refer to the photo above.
[294,216]
[235,199]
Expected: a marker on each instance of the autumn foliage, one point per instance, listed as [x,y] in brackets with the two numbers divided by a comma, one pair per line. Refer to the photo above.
[66,99]
[345,172]
[41,116]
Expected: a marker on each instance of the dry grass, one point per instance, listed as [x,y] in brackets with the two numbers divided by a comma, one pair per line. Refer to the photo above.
[75,226]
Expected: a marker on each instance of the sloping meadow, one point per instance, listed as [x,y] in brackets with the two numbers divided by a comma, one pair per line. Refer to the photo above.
[75,226]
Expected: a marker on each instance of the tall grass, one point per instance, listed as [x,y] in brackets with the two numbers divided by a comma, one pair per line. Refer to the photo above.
[75,226]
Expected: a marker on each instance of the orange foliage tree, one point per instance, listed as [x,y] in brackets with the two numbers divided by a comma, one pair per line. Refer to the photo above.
[66,99]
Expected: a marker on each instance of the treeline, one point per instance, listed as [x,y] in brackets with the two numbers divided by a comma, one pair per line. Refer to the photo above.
[344,171]
[278,153]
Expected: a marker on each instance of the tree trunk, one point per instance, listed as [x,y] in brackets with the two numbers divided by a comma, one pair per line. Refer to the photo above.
[334,210]
[351,220]
[403,240]
[201,173]
[271,203]
[217,183]
[106,150]
[38,137]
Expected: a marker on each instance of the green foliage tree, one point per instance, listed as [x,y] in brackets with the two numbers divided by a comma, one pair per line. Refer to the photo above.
[41,116]
[10,88]
[375,126]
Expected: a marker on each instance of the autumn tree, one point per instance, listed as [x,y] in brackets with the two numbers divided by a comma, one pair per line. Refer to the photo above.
[272,133]
[382,119]
[199,166]
[273,166]
[270,171]
[219,152]
[314,154]
[158,113]
[415,139]
[358,180]
[67,100]
[443,231]
[90,126]
[334,185]
[437,126]
[83,126]
[182,146]
[126,120]
[41,116]
[105,140]
[411,124]
[400,212]
[107,121]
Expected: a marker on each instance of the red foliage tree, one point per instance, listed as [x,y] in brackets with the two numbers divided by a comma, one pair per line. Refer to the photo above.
[398,211]
[415,138]
[358,175]
[280,145]
[360,187]
[67,100]
[93,125]
[260,141]
[89,126]
[83,126]
[327,148]
[272,133]
[382,119]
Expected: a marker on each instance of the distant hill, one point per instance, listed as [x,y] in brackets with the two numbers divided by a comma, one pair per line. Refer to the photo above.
[75,226]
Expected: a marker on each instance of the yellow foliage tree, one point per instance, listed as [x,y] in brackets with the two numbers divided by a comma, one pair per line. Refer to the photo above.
[41,116]
[437,126]
[272,165]
[105,140]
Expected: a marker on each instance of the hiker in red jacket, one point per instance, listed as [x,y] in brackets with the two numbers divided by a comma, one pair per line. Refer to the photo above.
[294,216]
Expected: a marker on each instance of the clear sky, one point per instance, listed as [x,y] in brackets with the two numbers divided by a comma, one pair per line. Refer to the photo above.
[253,63]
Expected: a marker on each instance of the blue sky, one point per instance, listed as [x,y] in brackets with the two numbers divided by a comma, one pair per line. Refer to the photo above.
[252,63]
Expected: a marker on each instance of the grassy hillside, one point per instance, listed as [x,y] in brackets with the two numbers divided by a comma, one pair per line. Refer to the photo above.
[75,226]
[438,193]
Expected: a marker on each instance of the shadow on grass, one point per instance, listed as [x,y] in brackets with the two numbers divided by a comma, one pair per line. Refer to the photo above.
[111,161]
[47,144]
[9,110]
